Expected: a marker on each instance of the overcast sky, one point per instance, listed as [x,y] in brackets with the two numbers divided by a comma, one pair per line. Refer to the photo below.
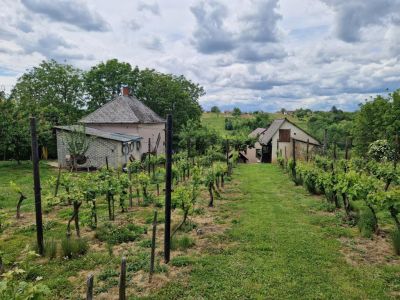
[255,54]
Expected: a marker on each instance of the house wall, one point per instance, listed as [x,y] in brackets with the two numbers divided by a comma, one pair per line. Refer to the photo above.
[145,131]
[251,153]
[98,150]
[297,134]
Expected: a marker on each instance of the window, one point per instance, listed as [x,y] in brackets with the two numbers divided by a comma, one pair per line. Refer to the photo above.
[258,153]
[284,135]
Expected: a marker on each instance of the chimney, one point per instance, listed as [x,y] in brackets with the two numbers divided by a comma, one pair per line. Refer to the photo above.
[125,91]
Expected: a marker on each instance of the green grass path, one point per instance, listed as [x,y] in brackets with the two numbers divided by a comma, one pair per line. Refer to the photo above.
[280,251]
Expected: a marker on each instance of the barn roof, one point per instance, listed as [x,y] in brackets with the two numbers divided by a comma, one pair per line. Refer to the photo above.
[256,132]
[274,127]
[120,137]
[123,109]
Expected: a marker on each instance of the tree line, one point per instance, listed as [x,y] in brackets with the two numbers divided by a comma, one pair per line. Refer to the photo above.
[60,94]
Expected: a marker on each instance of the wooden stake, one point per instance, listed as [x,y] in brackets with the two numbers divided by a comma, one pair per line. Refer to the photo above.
[168,183]
[37,188]
[89,289]
[122,280]
[308,147]
[325,141]
[130,188]
[58,181]
[346,150]
[148,157]
[153,246]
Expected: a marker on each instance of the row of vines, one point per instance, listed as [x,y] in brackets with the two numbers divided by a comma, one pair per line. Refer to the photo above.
[368,191]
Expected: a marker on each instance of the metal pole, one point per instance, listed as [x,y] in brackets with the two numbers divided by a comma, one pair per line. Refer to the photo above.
[168,182]
[89,290]
[36,183]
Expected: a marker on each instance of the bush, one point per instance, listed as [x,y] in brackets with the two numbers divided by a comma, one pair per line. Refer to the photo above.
[117,235]
[182,243]
[50,248]
[310,181]
[181,261]
[366,223]
[74,247]
[396,241]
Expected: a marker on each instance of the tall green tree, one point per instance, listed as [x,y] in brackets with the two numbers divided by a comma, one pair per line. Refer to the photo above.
[104,80]
[53,93]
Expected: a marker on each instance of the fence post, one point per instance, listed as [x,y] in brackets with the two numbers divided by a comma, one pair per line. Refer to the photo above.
[89,289]
[397,153]
[107,162]
[294,158]
[153,246]
[168,183]
[37,189]
[325,140]
[308,146]
[58,181]
[346,150]
[130,188]
[148,157]
[122,280]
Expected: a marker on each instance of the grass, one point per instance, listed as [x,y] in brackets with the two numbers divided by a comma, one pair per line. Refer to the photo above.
[281,251]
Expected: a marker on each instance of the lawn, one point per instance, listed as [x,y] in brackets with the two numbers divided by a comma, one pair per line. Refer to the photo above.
[284,247]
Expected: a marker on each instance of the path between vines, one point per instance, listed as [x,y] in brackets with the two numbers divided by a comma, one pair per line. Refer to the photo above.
[279,248]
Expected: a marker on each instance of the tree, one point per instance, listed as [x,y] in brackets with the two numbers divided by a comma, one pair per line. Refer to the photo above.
[236,112]
[166,93]
[215,109]
[51,92]
[103,81]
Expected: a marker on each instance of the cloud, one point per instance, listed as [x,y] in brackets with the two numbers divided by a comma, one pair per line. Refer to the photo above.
[73,12]
[154,43]
[133,25]
[258,52]
[152,8]
[351,17]
[210,35]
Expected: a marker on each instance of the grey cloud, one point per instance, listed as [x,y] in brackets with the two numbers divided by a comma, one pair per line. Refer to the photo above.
[258,52]
[133,25]
[352,16]
[71,12]
[210,35]
[260,25]
[153,8]
[24,26]
[154,43]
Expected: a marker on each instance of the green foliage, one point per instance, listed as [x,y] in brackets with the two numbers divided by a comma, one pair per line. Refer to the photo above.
[119,234]
[182,261]
[77,142]
[366,223]
[215,109]
[236,112]
[13,286]
[50,248]
[396,241]
[74,247]
[381,150]
[182,243]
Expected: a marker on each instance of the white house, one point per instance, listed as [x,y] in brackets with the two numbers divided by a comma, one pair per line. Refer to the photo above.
[122,129]
[278,140]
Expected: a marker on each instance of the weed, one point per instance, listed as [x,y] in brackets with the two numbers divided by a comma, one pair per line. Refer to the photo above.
[182,243]
[396,241]
[117,235]
[74,247]
[181,261]
[50,248]
[366,223]
[108,273]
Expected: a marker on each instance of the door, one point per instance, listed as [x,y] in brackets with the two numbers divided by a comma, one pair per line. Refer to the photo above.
[266,153]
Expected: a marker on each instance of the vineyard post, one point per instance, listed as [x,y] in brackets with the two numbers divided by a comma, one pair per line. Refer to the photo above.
[89,290]
[325,140]
[346,151]
[168,182]
[58,181]
[130,188]
[153,246]
[107,162]
[148,157]
[294,157]
[122,280]
[308,147]
[37,189]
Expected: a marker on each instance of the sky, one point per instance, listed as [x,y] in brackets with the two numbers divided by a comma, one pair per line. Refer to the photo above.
[253,54]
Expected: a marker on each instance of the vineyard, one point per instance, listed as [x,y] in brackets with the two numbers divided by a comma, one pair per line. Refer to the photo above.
[93,219]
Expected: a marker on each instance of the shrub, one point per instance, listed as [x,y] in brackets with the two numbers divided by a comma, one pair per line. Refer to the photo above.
[182,243]
[74,247]
[108,273]
[181,261]
[310,180]
[145,244]
[117,235]
[396,241]
[50,248]
[281,162]
[366,223]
